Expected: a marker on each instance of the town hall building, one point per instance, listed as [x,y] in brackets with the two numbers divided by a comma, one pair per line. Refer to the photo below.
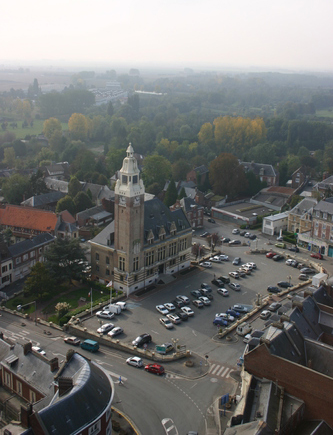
[145,240]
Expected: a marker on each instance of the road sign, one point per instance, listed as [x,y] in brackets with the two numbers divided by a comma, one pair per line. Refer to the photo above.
[225,399]
[160,349]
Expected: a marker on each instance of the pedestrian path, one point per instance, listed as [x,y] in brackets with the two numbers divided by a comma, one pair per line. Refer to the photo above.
[219,371]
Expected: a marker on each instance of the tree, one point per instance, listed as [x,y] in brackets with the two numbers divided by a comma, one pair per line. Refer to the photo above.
[39,283]
[227,176]
[62,308]
[156,169]
[74,187]
[51,126]
[66,203]
[182,193]
[171,194]
[114,160]
[64,257]
[180,169]
[205,134]
[16,189]
[110,109]
[78,126]
[38,184]
[82,202]
[9,157]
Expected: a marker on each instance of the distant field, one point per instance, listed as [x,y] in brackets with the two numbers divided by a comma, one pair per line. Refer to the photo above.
[37,128]
[328,113]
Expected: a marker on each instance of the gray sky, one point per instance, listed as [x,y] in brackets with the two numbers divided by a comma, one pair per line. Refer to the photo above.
[295,34]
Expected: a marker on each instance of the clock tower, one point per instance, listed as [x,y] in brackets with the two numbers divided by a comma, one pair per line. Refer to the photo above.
[128,224]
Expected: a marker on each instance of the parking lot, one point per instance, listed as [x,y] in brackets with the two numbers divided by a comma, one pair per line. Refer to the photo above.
[142,316]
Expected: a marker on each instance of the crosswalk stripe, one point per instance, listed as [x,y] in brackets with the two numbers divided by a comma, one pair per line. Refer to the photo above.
[220,371]
[225,372]
[216,369]
[211,368]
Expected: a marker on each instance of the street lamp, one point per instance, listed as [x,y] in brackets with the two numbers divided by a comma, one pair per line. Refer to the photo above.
[19,307]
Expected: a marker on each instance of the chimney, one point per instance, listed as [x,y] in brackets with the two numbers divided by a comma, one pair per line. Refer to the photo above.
[54,365]
[26,411]
[298,304]
[65,385]
[27,348]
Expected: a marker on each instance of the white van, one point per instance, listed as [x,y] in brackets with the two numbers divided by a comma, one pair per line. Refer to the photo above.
[114,308]
[122,305]
[243,329]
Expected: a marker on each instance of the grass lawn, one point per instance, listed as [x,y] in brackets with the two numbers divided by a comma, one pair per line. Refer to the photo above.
[327,113]
[36,129]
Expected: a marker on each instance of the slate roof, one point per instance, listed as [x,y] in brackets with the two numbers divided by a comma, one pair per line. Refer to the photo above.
[324,206]
[188,203]
[44,199]
[98,191]
[54,184]
[28,245]
[269,171]
[103,237]
[90,212]
[201,169]
[66,227]
[26,217]
[304,206]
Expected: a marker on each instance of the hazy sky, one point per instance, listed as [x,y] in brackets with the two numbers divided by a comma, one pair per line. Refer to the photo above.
[294,34]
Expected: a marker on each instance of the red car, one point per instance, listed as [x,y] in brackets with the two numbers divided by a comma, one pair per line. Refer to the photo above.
[270,254]
[316,255]
[154,368]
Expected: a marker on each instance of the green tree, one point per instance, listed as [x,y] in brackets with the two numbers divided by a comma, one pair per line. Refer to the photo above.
[156,169]
[66,203]
[227,176]
[38,184]
[78,126]
[82,202]
[182,193]
[110,109]
[171,194]
[39,283]
[16,189]
[51,126]
[114,160]
[9,157]
[64,257]
[74,187]
[180,169]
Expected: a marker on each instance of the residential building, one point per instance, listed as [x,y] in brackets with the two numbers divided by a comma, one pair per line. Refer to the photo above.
[46,201]
[98,192]
[274,197]
[44,398]
[94,216]
[299,178]
[145,240]
[266,173]
[300,217]
[198,175]
[193,211]
[6,266]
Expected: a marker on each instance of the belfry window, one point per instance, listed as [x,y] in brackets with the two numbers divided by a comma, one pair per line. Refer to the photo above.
[124,179]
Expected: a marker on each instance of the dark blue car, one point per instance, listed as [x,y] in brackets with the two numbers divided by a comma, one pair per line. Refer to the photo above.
[220,322]
[233,313]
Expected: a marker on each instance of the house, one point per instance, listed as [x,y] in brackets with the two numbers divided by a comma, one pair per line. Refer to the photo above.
[94,216]
[98,192]
[299,178]
[324,188]
[56,185]
[43,397]
[193,211]
[198,175]
[57,171]
[274,224]
[46,201]
[65,229]
[26,222]
[300,217]
[266,173]
[144,241]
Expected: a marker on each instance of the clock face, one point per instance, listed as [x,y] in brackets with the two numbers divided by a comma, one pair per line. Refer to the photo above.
[122,200]
[137,200]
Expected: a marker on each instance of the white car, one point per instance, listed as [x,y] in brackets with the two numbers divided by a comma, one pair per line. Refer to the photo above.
[215,259]
[254,266]
[225,316]
[247,234]
[115,331]
[166,322]
[224,257]
[184,299]
[204,300]
[173,318]
[105,314]
[223,291]
[105,328]
[169,306]
[235,286]
[135,361]
[39,350]
[206,264]
[188,311]
[265,314]
[161,309]
[235,231]
[289,262]
[234,274]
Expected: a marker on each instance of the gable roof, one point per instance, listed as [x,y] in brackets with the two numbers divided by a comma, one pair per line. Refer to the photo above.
[26,217]
[28,245]
[267,170]
[44,199]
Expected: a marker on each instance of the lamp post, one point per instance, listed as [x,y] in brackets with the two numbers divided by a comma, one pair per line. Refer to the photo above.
[19,307]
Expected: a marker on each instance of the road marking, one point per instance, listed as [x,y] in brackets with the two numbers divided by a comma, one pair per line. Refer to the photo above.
[193,385]
[225,372]
[194,333]
[169,426]
[155,332]
[220,371]
[244,293]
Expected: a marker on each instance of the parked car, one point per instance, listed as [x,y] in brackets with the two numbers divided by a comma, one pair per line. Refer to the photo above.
[204,300]
[162,309]
[135,361]
[38,350]
[169,306]
[243,329]
[225,239]
[223,291]
[278,257]
[105,328]
[224,257]
[206,264]
[188,311]
[303,277]
[242,233]
[207,293]
[224,279]
[215,259]
[217,282]
[211,220]
[239,308]
[236,261]
[235,242]
[289,261]
[184,299]
[252,236]
[265,314]
[174,318]
[279,239]
[74,341]
[205,234]
[316,255]
[293,248]
[105,314]
[141,340]
[178,303]
[233,313]
[115,331]
[294,263]
[226,316]
[196,293]
[274,306]
[157,369]
[280,245]
[273,289]
[270,254]
[235,231]
[253,265]
[235,286]
[166,322]
[246,270]
[197,303]
[234,274]
[183,316]
[220,322]
[241,272]
[284,284]
[206,286]
[307,270]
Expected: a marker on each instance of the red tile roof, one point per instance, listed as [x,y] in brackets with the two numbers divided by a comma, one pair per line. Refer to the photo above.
[26,217]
